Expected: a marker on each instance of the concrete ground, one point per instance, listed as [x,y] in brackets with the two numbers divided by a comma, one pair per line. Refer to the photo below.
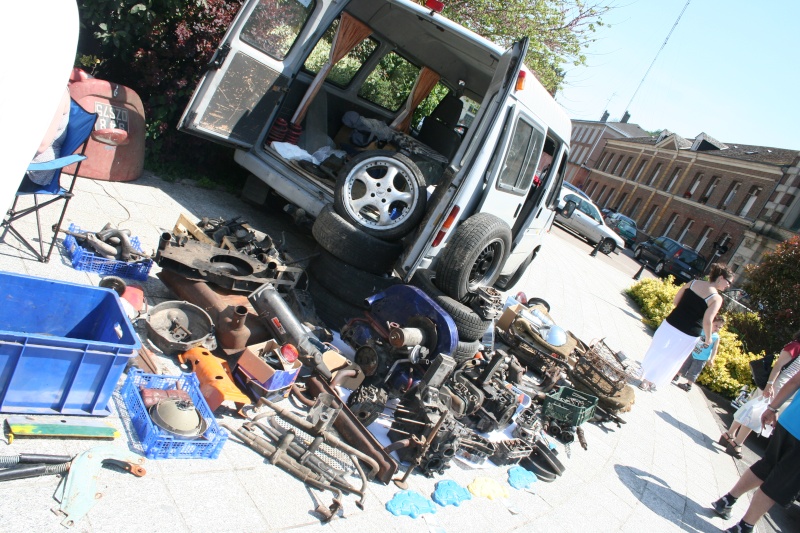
[658,472]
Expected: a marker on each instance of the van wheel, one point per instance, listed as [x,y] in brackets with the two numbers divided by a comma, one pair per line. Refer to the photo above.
[350,284]
[353,246]
[474,255]
[381,192]
[469,324]
[504,283]
[608,246]
[659,269]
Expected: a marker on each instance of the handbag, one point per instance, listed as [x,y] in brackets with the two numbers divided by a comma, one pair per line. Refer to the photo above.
[761,369]
[749,415]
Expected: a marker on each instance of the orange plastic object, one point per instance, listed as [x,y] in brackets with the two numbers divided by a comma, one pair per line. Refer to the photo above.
[115,151]
[216,383]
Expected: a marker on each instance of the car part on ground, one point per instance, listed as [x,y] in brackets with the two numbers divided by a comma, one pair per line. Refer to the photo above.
[175,327]
[216,380]
[352,245]
[474,255]
[381,192]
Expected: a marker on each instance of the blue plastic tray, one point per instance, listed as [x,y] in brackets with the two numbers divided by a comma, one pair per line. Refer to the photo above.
[87,261]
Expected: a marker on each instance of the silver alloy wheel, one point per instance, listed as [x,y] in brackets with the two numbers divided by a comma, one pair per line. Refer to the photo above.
[608,246]
[380,193]
[659,268]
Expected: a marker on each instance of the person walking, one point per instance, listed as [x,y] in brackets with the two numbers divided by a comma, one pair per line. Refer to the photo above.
[775,477]
[702,355]
[696,305]
[787,365]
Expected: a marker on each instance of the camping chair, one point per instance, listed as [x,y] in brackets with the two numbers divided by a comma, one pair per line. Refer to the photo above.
[79,128]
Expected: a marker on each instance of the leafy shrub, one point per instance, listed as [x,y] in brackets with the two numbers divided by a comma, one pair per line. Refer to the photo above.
[654,297]
[731,370]
[751,330]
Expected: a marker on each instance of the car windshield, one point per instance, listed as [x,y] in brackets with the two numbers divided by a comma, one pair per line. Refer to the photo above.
[623,224]
[625,220]
[693,259]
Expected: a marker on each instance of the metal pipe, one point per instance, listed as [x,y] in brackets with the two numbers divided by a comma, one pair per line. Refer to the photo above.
[33,470]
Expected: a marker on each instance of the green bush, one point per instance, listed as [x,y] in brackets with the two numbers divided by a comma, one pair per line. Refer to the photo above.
[731,370]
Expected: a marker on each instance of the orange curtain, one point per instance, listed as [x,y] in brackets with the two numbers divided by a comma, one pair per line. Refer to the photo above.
[351,32]
[425,83]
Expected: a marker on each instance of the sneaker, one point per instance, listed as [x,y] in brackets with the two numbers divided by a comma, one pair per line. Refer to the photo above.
[740,527]
[722,508]
[685,386]
[676,378]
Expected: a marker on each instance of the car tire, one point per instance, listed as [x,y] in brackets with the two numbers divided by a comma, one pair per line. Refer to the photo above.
[466,350]
[538,301]
[474,255]
[659,269]
[637,253]
[608,246]
[382,193]
[349,283]
[330,308]
[504,282]
[353,246]
[469,324]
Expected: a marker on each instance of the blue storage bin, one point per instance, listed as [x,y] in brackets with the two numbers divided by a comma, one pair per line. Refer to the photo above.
[63,346]
[160,444]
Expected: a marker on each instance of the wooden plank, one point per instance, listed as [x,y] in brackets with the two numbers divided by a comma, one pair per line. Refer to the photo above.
[28,426]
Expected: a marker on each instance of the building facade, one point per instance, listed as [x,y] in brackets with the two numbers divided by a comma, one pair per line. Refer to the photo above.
[731,202]
[588,140]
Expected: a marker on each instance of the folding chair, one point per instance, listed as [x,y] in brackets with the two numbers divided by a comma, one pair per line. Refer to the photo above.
[79,128]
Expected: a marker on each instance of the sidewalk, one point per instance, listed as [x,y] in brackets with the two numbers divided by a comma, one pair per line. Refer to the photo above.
[658,472]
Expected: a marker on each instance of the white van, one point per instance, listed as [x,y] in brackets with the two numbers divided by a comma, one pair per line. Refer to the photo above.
[351,75]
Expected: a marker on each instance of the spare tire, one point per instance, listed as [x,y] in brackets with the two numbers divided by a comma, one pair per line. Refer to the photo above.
[353,246]
[381,192]
[330,308]
[349,283]
[474,256]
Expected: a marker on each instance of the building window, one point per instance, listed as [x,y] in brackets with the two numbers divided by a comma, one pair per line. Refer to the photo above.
[685,230]
[639,170]
[693,187]
[594,186]
[600,194]
[673,179]
[627,166]
[635,207]
[650,217]
[602,160]
[671,224]
[608,162]
[619,162]
[622,198]
[703,238]
[709,189]
[750,200]
[732,190]
[609,197]
[576,135]
[655,174]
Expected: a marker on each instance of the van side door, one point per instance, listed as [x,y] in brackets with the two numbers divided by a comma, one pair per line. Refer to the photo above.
[247,76]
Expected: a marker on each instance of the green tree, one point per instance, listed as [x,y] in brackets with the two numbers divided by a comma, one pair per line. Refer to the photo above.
[773,286]
[558,29]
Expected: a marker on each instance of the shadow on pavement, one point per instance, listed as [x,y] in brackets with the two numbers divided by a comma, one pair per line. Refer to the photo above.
[700,438]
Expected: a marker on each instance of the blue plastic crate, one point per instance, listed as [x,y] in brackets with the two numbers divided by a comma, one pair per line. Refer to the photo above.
[160,444]
[63,346]
[87,261]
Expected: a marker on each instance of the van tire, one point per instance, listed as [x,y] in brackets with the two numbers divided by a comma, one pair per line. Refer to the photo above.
[466,350]
[353,246]
[347,282]
[474,255]
[330,308]
[505,284]
[469,324]
[406,193]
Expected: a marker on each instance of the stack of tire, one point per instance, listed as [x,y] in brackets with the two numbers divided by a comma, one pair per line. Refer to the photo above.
[379,199]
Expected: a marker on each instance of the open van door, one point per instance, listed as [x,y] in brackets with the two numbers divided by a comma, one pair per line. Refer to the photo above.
[250,71]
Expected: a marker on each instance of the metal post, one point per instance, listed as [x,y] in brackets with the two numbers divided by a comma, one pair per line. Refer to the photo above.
[638,274]
[596,248]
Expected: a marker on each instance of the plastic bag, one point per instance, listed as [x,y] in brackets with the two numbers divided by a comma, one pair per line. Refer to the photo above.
[749,415]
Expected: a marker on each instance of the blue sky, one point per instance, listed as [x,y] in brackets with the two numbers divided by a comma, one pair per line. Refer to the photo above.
[730,69]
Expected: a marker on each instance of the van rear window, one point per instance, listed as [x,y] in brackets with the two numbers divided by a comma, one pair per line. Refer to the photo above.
[274,25]
[343,72]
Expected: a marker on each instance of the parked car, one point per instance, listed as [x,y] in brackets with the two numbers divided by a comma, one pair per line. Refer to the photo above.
[584,218]
[624,226]
[671,257]
[576,190]
[607,212]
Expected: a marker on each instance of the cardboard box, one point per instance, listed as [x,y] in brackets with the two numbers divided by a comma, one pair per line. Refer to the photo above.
[508,316]
[336,362]
[254,367]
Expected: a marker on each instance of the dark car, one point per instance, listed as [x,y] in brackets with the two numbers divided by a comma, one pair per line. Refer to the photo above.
[668,256]
[624,226]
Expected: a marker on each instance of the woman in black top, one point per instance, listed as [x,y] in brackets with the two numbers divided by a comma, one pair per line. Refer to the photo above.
[696,305]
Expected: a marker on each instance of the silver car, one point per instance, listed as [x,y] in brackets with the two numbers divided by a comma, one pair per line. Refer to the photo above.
[580,215]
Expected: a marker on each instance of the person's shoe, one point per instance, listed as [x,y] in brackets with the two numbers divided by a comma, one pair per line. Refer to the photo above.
[685,386]
[676,378]
[740,527]
[722,508]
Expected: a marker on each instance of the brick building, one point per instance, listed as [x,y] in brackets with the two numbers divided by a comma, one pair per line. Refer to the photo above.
[588,140]
[702,192]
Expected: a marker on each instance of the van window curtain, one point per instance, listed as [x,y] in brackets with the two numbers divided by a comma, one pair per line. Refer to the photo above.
[426,81]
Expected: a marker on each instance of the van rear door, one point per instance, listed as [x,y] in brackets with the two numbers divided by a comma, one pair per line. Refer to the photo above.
[250,71]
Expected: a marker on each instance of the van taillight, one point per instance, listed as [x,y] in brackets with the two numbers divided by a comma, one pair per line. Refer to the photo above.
[446,226]
[520,81]
[434,5]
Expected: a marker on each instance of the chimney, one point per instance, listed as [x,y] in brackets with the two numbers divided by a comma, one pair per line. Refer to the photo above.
[625,117]
[604,117]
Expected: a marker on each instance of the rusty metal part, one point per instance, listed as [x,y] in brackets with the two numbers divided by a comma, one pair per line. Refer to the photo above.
[511,451]
[353,431]
[219,304]
[399,337]
[228,269]
[150,397]
[146,361]
[489,302]
[176,326]
[279,457]
[422,443]
[216,381]
[231,330]
[582,438]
